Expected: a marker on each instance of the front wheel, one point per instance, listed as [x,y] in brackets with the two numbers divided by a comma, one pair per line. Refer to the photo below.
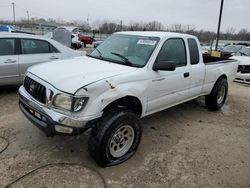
[216,99]
[115,138]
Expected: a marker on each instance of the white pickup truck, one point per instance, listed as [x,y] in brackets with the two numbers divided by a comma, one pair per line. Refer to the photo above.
[129,76]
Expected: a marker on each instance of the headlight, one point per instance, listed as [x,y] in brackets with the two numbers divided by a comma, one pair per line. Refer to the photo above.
[63,101]
[79,103]
[70,103]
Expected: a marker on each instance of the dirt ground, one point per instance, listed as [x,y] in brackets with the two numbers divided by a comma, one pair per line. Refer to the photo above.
[185,146]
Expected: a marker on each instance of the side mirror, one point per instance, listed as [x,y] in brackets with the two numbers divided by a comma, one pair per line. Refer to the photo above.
[164,66]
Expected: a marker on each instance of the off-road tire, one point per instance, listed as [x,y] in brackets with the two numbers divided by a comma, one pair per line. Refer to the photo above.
[103,132]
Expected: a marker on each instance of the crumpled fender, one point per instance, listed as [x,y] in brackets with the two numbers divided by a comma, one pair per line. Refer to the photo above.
[105,92]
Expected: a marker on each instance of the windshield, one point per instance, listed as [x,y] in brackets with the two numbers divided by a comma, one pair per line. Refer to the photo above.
[245,51]
[129,50]
[232,48]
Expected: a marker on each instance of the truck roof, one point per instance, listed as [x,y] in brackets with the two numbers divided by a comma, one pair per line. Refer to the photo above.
[159,34]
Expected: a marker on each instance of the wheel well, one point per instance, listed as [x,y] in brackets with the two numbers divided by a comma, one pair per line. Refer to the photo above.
[128,102]
[222,77]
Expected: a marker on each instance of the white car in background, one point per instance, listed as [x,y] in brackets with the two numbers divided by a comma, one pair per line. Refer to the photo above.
[75,41]
[20,51]
[243,74]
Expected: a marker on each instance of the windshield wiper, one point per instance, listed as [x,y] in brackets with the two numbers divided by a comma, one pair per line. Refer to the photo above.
[123,57]
[242,53]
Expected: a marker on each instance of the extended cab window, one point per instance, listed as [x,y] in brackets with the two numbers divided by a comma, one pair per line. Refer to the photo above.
[194,51]
[173,51]
[33,46]
[7,46]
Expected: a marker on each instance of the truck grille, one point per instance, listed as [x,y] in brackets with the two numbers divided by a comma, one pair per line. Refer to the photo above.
[244,69]
[35,89]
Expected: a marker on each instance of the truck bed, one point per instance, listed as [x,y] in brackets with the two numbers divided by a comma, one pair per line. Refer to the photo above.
[207,59]
[216,67]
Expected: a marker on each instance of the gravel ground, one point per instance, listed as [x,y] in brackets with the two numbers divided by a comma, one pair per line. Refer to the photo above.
[184,146]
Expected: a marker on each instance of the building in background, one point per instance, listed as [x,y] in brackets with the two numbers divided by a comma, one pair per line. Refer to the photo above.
[37,28]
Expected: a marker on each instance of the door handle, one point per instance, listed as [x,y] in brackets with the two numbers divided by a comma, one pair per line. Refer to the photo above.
[10,61]
[53,57]
[186,74]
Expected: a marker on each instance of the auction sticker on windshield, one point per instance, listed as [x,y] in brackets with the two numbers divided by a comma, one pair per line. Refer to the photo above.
[147,42]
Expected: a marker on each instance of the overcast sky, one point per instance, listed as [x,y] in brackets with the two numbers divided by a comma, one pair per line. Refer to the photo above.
[203,14]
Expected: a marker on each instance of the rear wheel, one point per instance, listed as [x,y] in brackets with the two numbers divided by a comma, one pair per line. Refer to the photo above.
[216,99]
[115,138]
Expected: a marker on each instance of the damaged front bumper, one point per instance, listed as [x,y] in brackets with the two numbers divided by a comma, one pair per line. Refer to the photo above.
[243,77]
[50,121]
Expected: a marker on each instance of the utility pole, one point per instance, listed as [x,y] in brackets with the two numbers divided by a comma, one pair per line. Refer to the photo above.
[219,23]
[88,23]
[14,14]
[121,25]
[28,17]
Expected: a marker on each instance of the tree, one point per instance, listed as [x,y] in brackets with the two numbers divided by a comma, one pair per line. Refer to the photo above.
[243,34]
[109,28]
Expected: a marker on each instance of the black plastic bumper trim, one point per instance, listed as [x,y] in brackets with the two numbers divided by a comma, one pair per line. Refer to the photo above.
[47,127]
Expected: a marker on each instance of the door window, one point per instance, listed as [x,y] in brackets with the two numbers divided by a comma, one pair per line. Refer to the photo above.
[173,51]
[7,46]
[33,46]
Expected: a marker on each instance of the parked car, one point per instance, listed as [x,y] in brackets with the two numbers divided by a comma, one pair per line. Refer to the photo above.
[6,28]
[243,74]
[20,51]
[73,37]
[231,50]
[97,43]
[207,48]
[86,39]
[237,43]
[131,75]
[76,43]
[245,51]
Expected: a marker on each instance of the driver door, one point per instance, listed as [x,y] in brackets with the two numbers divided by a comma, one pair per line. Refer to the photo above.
[169,87]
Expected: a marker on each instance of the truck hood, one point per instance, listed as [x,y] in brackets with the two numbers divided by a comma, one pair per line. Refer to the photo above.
[244,60]
[71,74]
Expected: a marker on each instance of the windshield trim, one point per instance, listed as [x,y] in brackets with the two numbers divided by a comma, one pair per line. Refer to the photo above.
[121,62]
[114,61]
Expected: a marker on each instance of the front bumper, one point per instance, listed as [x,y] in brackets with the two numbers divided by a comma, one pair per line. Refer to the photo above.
[243,77]
[50,121]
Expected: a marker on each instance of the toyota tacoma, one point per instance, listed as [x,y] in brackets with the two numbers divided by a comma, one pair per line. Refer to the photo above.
[129,76]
